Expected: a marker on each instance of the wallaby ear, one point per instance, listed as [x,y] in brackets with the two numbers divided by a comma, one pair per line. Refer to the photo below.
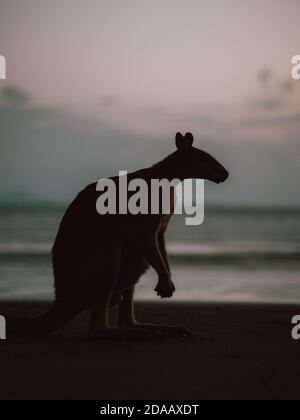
[189,139]
[180,141]
[184,143]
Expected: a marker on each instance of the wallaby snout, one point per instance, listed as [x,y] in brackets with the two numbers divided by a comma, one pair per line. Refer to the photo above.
[221,175]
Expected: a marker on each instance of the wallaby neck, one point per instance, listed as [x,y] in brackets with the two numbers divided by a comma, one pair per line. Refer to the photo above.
[163,170]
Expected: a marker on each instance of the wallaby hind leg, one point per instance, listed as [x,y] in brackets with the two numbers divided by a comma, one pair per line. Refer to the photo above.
[102,279]
[127,319]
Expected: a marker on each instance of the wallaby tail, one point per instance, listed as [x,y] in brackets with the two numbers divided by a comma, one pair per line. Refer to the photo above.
[57,316]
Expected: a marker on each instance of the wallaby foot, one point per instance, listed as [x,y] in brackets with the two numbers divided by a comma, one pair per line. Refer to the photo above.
[166,330]
[124,334]
[127,319]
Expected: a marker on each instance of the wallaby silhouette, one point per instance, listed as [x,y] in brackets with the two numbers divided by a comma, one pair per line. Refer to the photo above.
[98,259]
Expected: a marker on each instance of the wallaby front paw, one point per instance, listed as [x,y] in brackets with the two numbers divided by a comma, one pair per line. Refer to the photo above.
[165,288]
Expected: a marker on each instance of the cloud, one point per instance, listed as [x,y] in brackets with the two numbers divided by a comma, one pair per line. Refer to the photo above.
[108,101]
[281,120]
[49,154]
[287,86]
[11,96]
[274,94]
[264,77]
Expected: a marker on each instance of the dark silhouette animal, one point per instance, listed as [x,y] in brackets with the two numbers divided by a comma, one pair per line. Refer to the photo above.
[98,260]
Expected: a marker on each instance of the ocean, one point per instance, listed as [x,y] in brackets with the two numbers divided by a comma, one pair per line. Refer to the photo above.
[237,255]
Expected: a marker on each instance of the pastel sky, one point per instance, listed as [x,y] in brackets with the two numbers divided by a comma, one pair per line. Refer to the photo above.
[220,68]
[141,52]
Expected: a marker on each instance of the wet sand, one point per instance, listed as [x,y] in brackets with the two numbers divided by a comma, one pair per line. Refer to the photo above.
[240,352]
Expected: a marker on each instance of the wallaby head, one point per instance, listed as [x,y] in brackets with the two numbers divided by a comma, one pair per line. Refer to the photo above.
[190,162]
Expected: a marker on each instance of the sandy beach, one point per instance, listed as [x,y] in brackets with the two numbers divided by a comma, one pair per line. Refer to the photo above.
[240,352]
